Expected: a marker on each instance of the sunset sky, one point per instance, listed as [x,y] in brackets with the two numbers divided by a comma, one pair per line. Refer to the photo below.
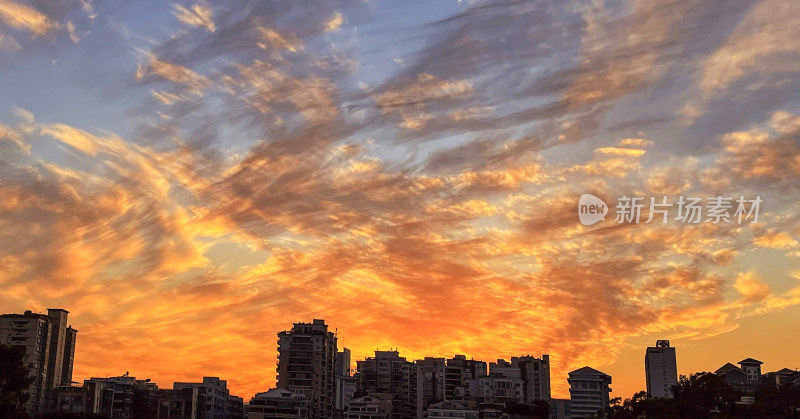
[189,178]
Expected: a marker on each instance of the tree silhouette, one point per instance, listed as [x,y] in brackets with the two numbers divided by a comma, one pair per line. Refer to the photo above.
[535,410]
[701,395]
[778,402]
[14,382]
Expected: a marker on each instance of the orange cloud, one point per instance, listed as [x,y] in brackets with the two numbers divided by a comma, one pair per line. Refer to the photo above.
[20,16]
[199,14]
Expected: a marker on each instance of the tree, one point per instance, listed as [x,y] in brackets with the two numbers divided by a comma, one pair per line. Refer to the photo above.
[703,393]
[777,402]
[14,382]
[537,409]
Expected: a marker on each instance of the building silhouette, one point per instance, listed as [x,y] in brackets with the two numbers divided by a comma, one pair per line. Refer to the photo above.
[49,344]
[346,384]
[127,397]
[560,409]
[220,404]
[389,374]
[307,365]
[661,369]
[459,371]
[782,377]
[430,382]
[452,409]
[377,406]
[278,404]
[533,372]
[588,392]
[745,377]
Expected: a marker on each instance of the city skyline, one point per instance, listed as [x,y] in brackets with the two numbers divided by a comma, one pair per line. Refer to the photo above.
[190,177]
[371,355]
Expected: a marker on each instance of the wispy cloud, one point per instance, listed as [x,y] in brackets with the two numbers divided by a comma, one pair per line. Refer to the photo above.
[270,167]
[200,14]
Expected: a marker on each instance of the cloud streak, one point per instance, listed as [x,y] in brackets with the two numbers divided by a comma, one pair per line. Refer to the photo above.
[275,165]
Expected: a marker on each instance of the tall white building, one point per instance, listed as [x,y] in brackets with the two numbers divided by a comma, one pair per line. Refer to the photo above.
[588,392]
[661,369]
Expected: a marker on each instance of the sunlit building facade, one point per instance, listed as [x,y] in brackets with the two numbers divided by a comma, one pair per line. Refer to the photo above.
[661,369]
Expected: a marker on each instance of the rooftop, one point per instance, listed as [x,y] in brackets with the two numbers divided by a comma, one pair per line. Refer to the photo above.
[750,361]
[587,372]
[726,369]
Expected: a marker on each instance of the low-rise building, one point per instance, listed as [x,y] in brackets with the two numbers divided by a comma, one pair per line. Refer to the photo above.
[373,406]
[588,392]
[220,404]
[559,409]
[278,404]
[186,403]
[452,409]
[125,397]
[782,377]
[745,377]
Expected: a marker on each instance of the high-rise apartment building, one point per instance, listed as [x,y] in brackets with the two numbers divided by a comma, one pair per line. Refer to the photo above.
[49,344]
[430,382]
[661,369]
[307,365]
[496,388]
[70,339]
[588,392]
[458,373]
[534,373]
[57,338]
[390,374]
[346,384]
